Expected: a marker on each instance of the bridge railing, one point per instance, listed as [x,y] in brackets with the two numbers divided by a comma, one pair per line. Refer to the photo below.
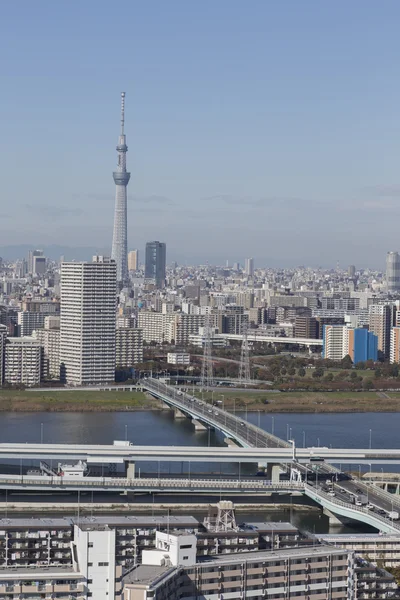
[156,482]
[358,509]
[240,432]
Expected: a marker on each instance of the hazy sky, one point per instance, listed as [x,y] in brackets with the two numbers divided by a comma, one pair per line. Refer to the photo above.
[263,128]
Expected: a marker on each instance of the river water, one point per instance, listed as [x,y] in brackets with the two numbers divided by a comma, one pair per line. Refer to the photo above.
[159,428]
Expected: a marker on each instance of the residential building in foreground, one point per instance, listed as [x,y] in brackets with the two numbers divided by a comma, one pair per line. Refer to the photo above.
[87,321]
[168,557]
[315,573]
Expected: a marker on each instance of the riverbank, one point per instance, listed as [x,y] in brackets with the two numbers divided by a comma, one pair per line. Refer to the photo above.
[306,402]
[144,509]
[76,401]
[238,400]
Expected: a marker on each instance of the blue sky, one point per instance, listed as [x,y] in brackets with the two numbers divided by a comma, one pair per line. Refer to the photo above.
[266,128]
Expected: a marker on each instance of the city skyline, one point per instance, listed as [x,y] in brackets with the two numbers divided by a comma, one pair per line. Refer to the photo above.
[281,146]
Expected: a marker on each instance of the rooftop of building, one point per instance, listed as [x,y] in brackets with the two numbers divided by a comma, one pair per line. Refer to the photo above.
[35,522]
[147,574]
[39,571]
[145,521]
[267,555]
[359,537]
[28,339]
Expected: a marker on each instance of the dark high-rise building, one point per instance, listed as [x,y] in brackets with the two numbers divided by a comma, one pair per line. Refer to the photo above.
[393,271]
[155,263]
[306,327]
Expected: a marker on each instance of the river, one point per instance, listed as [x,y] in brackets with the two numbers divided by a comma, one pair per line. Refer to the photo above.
[159,428]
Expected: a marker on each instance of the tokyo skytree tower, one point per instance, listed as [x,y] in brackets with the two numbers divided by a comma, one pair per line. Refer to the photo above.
[119,251]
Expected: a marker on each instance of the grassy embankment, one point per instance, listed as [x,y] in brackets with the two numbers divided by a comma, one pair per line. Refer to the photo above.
[309,402]
[79,401]
[282,402]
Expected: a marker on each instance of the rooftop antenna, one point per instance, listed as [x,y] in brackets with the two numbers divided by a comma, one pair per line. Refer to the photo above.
[122,112]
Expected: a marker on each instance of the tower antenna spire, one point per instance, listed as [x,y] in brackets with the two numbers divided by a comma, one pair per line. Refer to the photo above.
[122,112]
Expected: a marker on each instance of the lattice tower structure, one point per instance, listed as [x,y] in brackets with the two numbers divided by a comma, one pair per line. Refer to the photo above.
[119,251]
[244,368]
[207,377]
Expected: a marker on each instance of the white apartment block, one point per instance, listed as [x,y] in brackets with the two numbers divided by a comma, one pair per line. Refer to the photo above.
[3,337]
[183,326]
[87,323]
[199,339]
[335,342]
[49,339]
[154,326]
[29,321]
[178,358]
[128,347]
[22,364]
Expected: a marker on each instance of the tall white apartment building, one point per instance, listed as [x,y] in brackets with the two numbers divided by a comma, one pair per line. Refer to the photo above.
[3,336]
[249,267]
[22,364]
[49,339]
[87,323]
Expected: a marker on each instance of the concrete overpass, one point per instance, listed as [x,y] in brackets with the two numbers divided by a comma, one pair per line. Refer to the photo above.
[255,335]
[121,452]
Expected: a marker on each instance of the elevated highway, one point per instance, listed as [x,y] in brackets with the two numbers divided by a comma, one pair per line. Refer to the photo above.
[255,335]
[103,454]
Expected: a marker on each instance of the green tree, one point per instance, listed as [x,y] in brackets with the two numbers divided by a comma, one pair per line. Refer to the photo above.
[367,384]
[318,372]
[346,362]
[328,377]
[378,373]
[301,372]
[360,366]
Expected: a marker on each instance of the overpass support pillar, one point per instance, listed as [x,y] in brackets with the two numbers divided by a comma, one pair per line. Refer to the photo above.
[333,519]
[178,414]
[130,469]
[273,472]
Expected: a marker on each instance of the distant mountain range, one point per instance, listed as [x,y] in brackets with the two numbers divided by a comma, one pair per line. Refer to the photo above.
[53,251]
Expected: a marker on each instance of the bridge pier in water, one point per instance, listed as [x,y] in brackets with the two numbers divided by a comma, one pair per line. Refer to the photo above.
[198,425]
[130,469]
[273,471]
[336,519]
[178,414]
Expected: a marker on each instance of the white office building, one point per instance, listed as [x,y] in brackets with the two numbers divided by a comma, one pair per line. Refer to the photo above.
[87,323]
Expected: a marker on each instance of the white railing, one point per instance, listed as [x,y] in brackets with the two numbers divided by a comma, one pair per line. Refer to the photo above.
[351,507]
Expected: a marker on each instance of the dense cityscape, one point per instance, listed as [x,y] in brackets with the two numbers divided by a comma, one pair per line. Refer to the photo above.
[136,320]
[182,418]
